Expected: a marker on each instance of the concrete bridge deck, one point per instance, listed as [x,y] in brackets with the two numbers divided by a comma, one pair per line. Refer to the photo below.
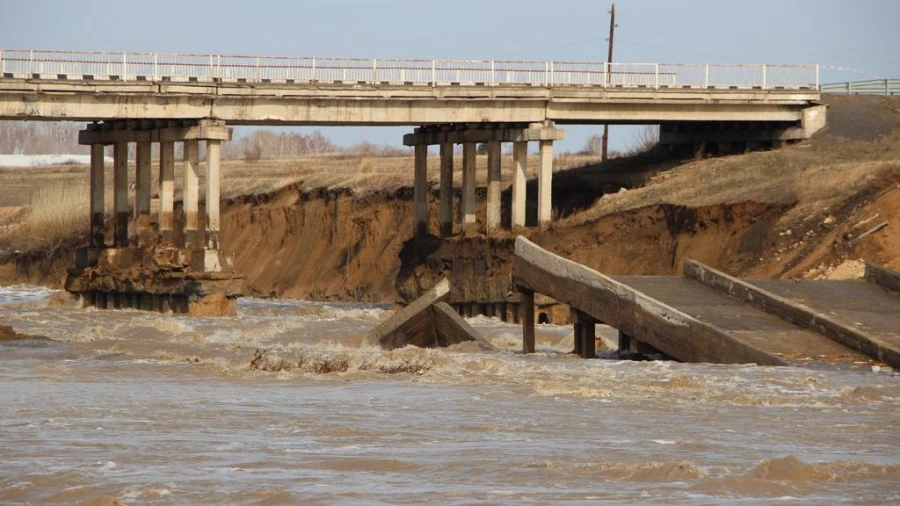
[256,90]
[707,316]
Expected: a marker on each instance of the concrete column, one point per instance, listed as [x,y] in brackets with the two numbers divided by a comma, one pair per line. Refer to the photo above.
[98,196]
[527,320]
[190,192]
[446,189]
[213,182]
[588,335]
[420,192]
[142,193]
[121,211]
[166,191]
[579,346]
[545,181]
[624,342]
[520,178]
[493,187]
[467,209]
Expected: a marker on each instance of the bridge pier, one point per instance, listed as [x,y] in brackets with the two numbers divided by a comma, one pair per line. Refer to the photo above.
[183,268]
[493,135]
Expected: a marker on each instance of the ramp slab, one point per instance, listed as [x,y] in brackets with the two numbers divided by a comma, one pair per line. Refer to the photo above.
[759,329]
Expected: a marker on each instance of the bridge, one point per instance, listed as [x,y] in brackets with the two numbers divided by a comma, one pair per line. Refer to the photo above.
[708,316]
[147,98]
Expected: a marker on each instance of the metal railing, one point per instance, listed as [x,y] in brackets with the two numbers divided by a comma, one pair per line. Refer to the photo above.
[35,64]
[871,87]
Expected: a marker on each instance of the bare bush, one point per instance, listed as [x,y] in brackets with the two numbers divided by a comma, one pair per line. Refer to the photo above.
[644,141]
[593,145]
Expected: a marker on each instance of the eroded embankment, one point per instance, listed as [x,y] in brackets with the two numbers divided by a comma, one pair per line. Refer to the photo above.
[335,245]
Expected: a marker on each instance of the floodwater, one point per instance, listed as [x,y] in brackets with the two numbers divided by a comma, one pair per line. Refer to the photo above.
[162,409]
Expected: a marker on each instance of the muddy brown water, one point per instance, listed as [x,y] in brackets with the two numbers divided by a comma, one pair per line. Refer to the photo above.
[162,409]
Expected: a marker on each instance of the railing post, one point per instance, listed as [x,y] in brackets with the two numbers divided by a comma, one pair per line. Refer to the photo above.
[155,67]
[211,68]
[219,66]
[551,74]
[605,74]
[30,62]
[433,75]
[818,84]
[492,76]
[124,70]
[257,69]
[2,63]
[313,69]
[656,72]
[886,86]
[374,71]
[764,76]
[706,77]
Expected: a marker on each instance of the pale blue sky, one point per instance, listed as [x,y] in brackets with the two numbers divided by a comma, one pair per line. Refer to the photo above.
[860,35]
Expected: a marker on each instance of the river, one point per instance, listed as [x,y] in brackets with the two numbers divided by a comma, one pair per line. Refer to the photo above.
[139,408]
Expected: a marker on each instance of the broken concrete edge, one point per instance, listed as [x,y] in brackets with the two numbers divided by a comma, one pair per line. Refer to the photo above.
[882,277]
[453,328]
[645,319]
[792,312]
[438,293]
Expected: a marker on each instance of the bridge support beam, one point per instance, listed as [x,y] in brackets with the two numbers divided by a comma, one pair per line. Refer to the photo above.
[545,182]
[467,209]
[520,178]
[142,193]
[585,335]
[493,135]
[184,278]
[492,222]
[98,197]
[121,211]
[527,303]
[420,192]
[190,188]
[167,191]
[446,192]
[213,181]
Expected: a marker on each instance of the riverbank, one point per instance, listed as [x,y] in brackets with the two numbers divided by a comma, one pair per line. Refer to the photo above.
[336,227]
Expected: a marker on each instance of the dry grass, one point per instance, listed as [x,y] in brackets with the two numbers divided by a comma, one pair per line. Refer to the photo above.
[57,212]
[810,176]
[361,174]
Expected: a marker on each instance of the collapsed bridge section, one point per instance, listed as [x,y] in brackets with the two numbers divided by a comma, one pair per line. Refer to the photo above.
[708,316]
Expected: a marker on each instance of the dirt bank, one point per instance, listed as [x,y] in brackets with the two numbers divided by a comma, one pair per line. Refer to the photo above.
[804,211]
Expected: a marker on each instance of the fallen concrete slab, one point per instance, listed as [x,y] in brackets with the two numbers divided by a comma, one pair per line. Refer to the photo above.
[428,322]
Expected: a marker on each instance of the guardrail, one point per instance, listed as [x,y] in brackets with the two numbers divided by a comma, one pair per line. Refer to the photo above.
[870,87]
[35,64]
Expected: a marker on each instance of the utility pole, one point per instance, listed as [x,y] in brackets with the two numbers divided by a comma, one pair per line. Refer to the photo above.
[612,30]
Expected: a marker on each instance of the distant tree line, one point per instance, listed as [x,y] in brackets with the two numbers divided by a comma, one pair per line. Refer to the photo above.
[40,138]
[49,137]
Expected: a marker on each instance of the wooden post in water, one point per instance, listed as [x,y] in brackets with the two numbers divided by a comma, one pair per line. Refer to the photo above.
[527,320]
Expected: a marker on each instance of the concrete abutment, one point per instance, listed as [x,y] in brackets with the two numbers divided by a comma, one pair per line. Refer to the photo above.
[146,268]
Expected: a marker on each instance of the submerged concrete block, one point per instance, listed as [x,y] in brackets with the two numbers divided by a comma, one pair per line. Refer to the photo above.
[427,322]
